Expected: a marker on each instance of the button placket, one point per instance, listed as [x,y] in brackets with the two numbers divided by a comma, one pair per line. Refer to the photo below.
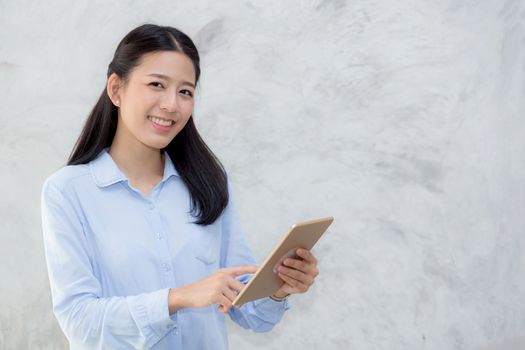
[156,230]
[162,244]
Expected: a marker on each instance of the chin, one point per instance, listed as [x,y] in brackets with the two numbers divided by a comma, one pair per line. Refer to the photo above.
[158,145]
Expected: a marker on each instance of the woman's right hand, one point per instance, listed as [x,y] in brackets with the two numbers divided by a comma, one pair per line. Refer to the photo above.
[218,288]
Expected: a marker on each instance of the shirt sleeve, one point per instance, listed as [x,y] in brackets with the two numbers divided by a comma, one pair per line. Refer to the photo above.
[258,315]
[88,319]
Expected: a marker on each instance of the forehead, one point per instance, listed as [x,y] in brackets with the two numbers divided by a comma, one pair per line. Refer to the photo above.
[175,65]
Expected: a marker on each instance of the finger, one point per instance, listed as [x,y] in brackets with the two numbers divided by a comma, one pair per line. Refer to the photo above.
[239,270]
[228,293]
[297,275]
[298,264]
[224,303]
[236,285]
[306,255]
[302,265]
[297,286]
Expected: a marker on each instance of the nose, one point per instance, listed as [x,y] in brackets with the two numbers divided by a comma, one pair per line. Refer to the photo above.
[170,101]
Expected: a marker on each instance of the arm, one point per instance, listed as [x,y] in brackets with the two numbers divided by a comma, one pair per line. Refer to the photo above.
[259,315]
[85,316]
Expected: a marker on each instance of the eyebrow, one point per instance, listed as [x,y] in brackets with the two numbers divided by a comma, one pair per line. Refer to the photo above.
[165,77]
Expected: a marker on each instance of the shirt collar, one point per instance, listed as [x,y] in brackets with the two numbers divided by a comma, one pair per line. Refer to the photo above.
[105,171]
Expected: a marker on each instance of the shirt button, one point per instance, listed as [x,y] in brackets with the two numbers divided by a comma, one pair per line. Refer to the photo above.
[166,267]
[159,236]
[151,206]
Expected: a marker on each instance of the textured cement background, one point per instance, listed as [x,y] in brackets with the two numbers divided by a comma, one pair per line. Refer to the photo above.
[403,119]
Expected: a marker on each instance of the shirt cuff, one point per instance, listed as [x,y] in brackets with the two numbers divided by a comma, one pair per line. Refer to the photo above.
[151,313]
[270,305]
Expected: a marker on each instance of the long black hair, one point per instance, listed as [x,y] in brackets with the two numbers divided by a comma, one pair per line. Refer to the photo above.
[199,168]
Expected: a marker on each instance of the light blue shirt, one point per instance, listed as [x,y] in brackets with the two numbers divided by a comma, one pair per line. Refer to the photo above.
[112,254]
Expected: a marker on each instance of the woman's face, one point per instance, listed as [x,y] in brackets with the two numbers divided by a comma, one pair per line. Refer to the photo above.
[158,98]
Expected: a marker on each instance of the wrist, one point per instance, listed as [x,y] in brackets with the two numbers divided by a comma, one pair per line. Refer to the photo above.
[175,300]
[279,296]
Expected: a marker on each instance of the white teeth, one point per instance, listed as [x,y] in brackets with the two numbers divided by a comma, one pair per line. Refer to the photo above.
[161,122]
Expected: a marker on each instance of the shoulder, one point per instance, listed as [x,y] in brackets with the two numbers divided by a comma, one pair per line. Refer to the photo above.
[67,177]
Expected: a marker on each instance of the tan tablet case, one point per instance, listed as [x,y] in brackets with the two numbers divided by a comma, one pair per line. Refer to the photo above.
[265,281]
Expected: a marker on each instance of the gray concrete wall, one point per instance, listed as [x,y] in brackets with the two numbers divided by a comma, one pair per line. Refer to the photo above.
[403,119]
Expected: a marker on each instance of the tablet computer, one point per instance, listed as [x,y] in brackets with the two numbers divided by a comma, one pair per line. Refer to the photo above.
[265,281]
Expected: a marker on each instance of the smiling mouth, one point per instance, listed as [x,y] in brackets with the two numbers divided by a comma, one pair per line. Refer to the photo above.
[161,122]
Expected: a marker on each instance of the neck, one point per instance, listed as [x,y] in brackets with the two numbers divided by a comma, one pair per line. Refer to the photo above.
[136,160]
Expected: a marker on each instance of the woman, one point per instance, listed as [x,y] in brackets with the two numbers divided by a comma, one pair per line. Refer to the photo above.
[129,267]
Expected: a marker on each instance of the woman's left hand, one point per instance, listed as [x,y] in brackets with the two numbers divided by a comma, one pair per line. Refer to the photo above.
[298,274]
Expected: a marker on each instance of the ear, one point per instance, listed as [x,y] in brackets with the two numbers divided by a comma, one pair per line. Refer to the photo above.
[113,88]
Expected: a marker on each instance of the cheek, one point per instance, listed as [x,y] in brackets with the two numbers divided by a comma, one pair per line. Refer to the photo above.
[188,108]
[141,98]
[147,102]
[186,111]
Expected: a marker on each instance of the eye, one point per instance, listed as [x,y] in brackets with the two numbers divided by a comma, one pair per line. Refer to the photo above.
[188,93]
[156,82]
